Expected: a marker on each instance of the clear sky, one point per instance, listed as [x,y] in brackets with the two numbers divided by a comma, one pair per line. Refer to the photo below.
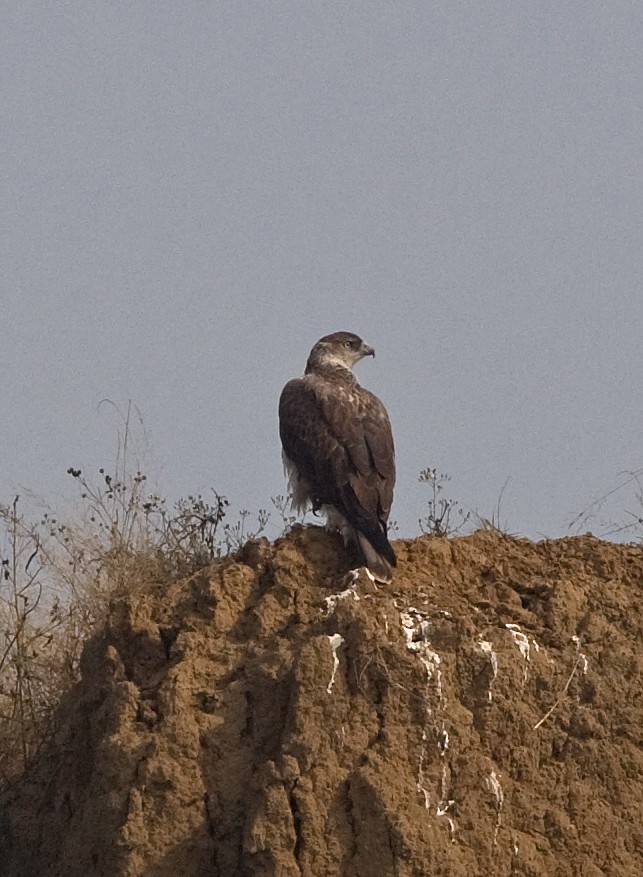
[193,193]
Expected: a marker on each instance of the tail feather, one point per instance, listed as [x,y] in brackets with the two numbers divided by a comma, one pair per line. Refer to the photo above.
[376,536]
[378,565]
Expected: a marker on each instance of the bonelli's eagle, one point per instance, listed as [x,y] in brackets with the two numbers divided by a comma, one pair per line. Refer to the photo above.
[338,448]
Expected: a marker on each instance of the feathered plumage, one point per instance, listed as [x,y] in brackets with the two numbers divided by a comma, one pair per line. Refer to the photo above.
[338,448]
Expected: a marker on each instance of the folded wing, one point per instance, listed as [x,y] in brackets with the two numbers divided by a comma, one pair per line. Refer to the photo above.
[338,436]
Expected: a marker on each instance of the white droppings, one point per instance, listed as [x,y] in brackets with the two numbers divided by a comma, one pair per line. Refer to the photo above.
[524,643]
[444,784]
[492,785]
[443,810]
[581,655]
[419,785]
[335,641]
[520,639]
[416,629]
[332,601]
[487,649]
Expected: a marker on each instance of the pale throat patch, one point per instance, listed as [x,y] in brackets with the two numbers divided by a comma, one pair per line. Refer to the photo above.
[334,360]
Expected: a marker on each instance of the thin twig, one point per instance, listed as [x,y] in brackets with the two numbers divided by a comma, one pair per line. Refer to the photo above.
[580,657]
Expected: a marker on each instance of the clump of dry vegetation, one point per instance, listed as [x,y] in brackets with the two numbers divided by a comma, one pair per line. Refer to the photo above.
[59,575]
[444,516]
[39,643]
[609,515]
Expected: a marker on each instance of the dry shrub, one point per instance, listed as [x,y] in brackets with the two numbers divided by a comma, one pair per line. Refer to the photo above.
[445,516]
[59,577]
[39,645]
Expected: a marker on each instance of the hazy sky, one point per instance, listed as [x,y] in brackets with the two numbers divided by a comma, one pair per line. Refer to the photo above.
[193,193]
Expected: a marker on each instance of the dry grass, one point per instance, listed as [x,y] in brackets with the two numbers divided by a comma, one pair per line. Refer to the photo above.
[60,575]
[606,518]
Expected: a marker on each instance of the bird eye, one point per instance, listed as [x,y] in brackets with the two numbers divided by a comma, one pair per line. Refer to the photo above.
[347,344]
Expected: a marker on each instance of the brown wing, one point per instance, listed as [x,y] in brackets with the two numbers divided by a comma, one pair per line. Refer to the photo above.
[379,441]
[339,437]
[306,438]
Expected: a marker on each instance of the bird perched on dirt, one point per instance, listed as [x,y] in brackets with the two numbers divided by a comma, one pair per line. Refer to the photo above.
[338,448]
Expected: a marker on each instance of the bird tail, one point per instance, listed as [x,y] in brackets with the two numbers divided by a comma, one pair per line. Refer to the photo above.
[378,565]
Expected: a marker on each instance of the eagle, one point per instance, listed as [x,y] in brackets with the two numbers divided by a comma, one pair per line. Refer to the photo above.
[338,449]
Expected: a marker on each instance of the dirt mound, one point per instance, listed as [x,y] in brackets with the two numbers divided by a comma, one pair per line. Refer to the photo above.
[268,718]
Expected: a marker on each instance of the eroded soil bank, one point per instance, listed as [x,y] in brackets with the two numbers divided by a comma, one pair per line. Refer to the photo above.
[263,718]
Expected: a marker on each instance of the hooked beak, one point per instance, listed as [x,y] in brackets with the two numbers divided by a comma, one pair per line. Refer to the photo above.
[367,350]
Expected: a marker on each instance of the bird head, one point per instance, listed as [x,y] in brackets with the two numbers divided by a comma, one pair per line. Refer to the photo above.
[342,349]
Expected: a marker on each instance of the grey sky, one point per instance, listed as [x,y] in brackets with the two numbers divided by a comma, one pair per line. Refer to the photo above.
[193,193]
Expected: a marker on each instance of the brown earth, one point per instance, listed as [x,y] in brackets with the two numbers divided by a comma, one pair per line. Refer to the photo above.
[254,720]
